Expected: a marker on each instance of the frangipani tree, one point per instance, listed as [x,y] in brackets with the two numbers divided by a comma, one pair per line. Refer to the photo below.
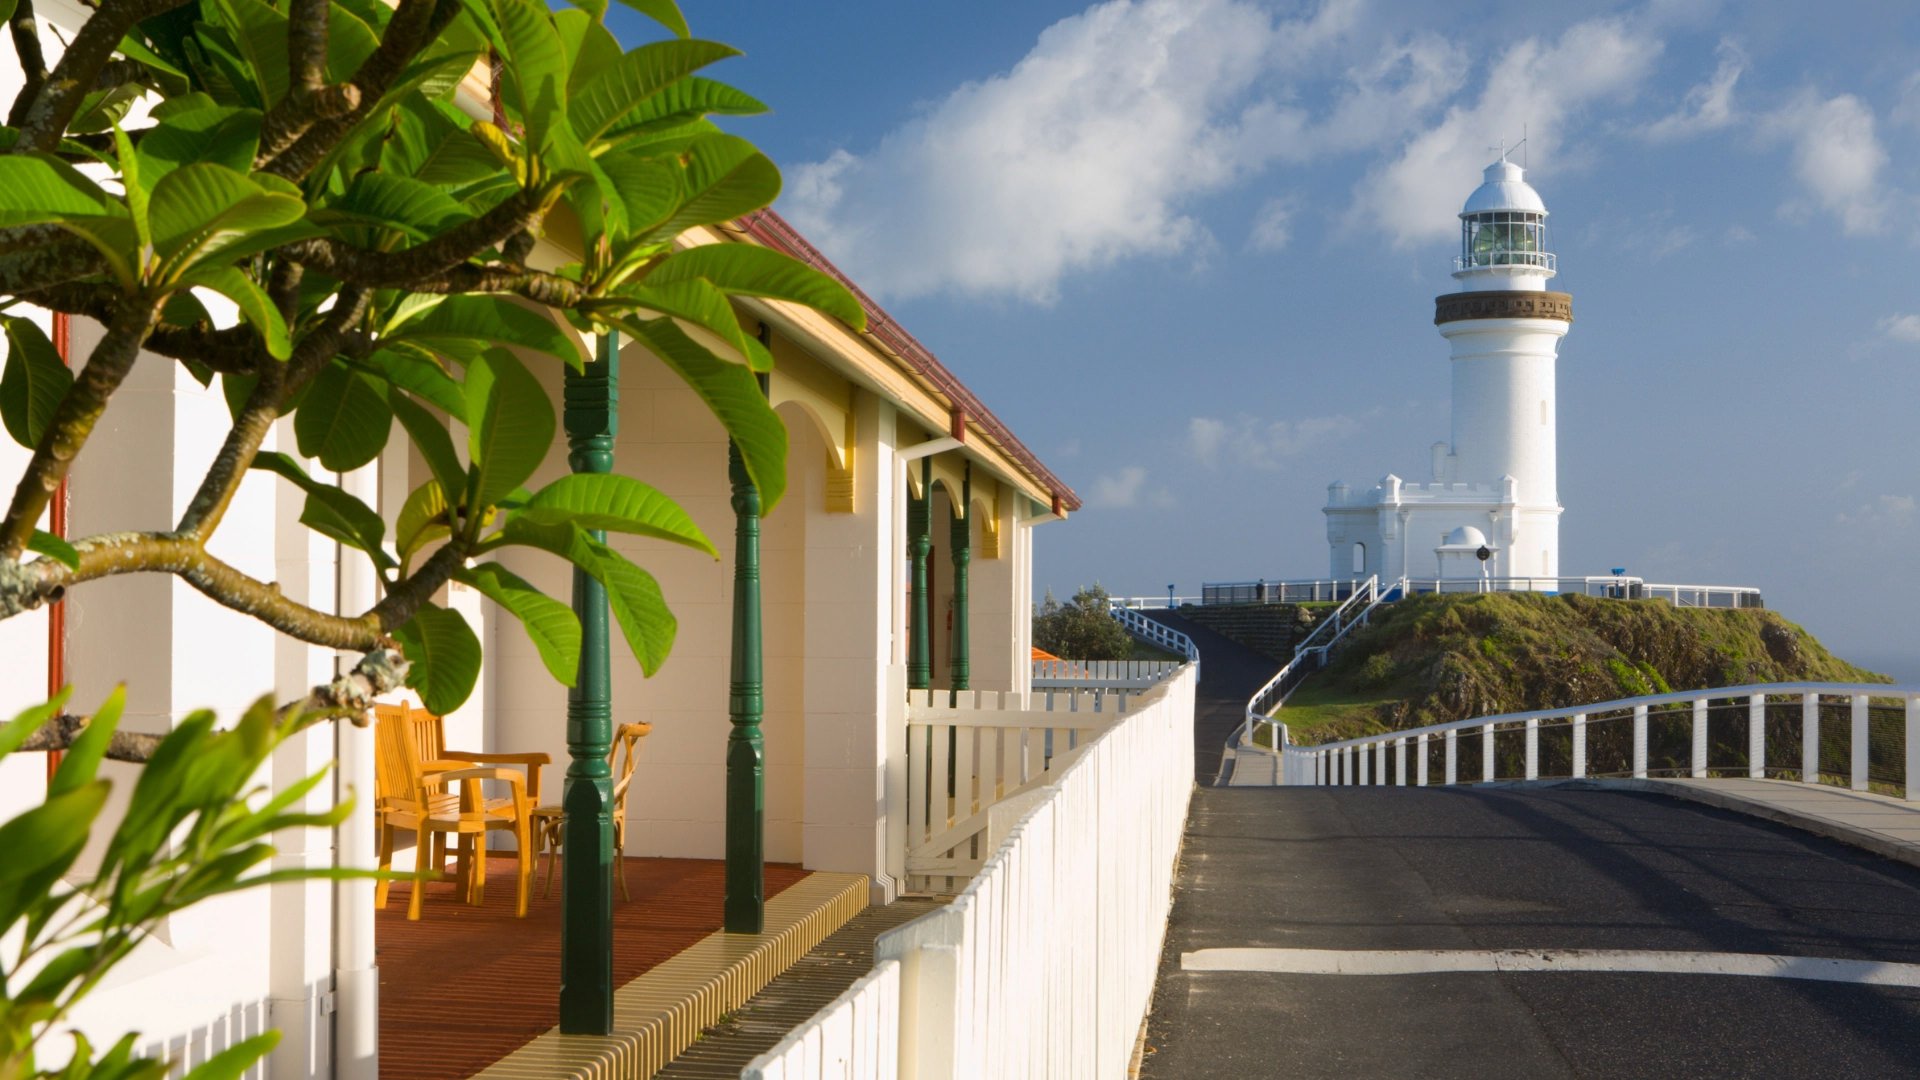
[309,162]
[312,163]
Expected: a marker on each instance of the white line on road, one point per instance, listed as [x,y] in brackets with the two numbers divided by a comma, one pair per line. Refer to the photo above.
[1431,961]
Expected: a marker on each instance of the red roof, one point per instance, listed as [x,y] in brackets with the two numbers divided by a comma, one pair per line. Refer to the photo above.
[771,229]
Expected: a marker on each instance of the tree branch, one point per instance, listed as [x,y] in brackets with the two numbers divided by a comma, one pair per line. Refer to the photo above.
[380,671]
[277,384]
[73,422]
[52,108]
[35,256]
[402,269]
[414,26]
[33,63]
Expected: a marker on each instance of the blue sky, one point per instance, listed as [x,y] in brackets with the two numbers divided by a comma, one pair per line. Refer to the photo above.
[1188,251]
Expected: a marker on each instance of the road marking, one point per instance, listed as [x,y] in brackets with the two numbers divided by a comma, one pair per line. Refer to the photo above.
[1433,961]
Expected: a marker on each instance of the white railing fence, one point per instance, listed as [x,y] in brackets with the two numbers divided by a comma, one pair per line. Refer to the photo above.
[1324,590]
[1106,674]
[1154,632]
[1865,734]
[1310,656]
[1043,965]
[1604,586]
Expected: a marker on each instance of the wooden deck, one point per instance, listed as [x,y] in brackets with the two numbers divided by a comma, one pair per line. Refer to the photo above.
[465,986]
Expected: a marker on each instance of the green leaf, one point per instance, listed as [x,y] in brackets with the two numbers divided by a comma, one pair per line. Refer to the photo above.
[430,437]
[591,47]
[462,327]
[136,187]
[647,187]
[344,420]
[82,759]
[217,135]
[260,33]
[664,12]
[703,312]
[350,43]
[16,730]
[536,69]
[445,657]
[615,93]
[685,100]
[612,503]
[733,393]
[39,187]
[632,594]
[202,208]
[252,301]
[330,511]
[419,372]
[423,519]
[53,547]
[551,625]
[726,178]
[396,202]
[49,833]
[750,270]
[510,426]
[34,381]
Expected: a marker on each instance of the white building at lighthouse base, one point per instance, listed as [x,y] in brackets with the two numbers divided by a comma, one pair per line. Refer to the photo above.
[1436,530]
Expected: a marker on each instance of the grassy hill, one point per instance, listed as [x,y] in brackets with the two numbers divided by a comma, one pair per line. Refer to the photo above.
[1434,659]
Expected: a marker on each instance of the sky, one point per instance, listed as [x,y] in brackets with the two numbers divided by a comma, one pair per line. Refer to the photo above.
[1188,249]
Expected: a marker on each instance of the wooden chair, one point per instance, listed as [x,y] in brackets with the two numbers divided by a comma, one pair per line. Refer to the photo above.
[414,777]
[549,821]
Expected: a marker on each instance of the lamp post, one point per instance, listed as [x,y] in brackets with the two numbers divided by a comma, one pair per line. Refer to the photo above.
[1169,598]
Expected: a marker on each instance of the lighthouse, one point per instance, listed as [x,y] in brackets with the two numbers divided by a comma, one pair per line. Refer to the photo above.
[1492,505]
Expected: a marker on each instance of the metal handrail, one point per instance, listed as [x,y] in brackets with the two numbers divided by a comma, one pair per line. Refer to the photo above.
[1309,657]
[1154,632]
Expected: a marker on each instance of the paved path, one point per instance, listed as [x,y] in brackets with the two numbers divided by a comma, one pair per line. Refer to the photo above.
[1229,674]
[1361,870]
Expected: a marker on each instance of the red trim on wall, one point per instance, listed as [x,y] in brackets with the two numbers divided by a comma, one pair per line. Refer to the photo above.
[57,612]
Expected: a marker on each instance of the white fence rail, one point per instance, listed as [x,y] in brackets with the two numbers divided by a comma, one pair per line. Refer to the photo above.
[857,1035]
[1044,963]
[1615,587]
[1865,733]
[1107,674]
[1606,586]
[1154,632]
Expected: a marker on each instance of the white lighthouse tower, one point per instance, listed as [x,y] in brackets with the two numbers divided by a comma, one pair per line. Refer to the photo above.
[1494,486]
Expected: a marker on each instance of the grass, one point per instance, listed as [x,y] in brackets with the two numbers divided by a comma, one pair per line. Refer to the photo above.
[1144,651]
[1432,659]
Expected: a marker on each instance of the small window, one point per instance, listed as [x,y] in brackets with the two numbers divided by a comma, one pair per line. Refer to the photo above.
[1543,564]
[1543,413]
[1359,558]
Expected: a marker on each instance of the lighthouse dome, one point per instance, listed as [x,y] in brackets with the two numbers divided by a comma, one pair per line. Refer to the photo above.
[1503,234]
[1504,189]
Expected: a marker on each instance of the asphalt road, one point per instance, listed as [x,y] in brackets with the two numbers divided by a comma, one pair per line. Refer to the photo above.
[1555,868]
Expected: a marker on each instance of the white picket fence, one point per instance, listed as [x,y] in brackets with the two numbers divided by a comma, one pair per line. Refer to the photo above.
[1115,674]
[1043,965]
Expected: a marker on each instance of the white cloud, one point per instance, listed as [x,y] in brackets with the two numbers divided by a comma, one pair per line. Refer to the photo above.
[1836,156]
[1903,328]
[1738,234]
[1673,240]
[1892,511]
[1708,106]
[1533,85]
[1273,225]
[1091,148]
[1126,490]
[1249,441]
